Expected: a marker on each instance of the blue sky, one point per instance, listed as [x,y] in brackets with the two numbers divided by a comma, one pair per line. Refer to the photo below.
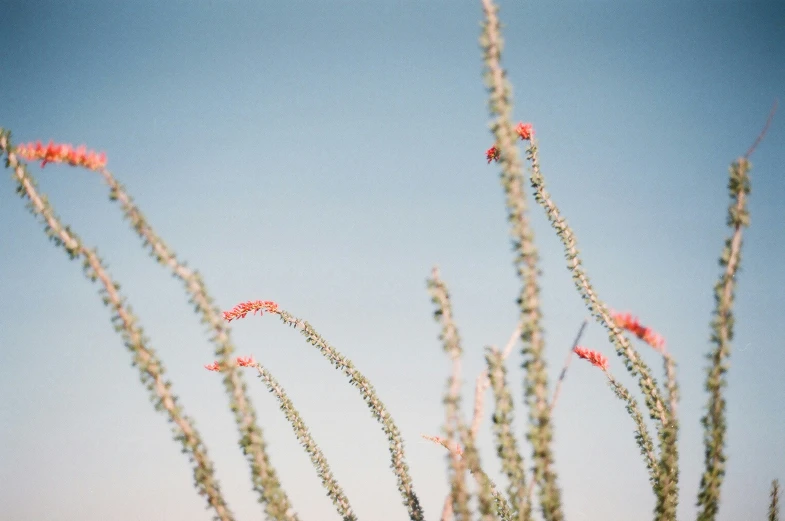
[326,155]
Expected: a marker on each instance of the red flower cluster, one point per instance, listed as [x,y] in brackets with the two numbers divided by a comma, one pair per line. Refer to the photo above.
[492,154]
[630,323]
[62,153]
[524,130]
[242,361]
[240,310]
[592,356]
[246,361]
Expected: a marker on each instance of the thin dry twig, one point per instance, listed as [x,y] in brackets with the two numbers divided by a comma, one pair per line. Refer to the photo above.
[762,132]
[563,373]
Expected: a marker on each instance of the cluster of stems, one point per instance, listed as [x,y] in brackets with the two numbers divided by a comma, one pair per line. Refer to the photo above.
[526,262]
[263,475]
[516,502]
[334,490]
[150,368]
[368,393]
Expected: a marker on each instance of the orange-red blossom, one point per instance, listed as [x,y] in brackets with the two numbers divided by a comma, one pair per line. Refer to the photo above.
[492,154]
[242,361]
[240,310]
[524,130]
[592,356]
[62,153]
[630,323]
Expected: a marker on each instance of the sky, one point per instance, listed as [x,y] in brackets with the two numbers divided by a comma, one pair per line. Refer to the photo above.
[326,155]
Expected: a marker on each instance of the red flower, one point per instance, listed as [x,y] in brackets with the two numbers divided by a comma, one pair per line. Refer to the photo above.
[62,153]
[525,130]
[246,361]
[492,154]
[242,361]
[592,356]
[240,310]
[630,323]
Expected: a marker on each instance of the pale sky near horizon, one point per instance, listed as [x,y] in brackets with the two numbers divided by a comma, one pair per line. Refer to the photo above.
[326,155]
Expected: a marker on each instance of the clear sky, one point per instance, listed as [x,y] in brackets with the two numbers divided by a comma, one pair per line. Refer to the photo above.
[326,155]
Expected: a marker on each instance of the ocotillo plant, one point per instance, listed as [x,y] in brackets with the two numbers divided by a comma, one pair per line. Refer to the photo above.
[518,499]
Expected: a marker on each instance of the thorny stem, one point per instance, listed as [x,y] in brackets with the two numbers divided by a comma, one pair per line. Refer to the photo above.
[714,422]
[774,505]
[451,343]
[506,445]
[356,378]
[667,489]
[599,310]
[334,490]
[642,436]
[526,259]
